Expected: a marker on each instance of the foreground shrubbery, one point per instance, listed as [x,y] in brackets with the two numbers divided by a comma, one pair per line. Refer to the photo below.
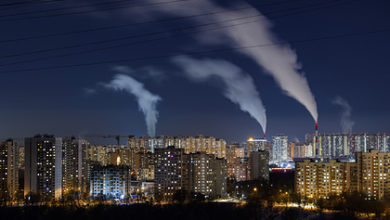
[197,211]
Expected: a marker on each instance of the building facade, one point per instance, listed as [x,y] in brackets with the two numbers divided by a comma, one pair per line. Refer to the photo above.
[346,145]
[238,169]
[109,182]
[9,164]
[258,165]
[300,150]
[374,171]
[206,175]
[73,151]
[280,149]
[169,171]
[209,145]
[43,166]
[319,178]
[315,179]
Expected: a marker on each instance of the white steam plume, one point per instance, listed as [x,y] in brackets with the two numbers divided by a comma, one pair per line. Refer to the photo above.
[280,61]
[239,87]
[346,122]
[147,101]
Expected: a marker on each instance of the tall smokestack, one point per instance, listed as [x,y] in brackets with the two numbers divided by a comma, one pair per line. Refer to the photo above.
[316,131]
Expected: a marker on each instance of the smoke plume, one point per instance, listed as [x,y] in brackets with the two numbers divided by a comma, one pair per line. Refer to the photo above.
[239,87]
[147,101]
[346,122]
[279,61]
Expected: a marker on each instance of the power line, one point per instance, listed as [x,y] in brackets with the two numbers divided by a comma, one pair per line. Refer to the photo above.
[19,3]
[121,45]
[140,42]
[197,52]
[93,10]
[68,7]
[160,32]
[138,23]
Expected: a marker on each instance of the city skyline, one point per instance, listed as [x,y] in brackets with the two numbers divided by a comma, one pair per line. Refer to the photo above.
[74,101]
[194,109]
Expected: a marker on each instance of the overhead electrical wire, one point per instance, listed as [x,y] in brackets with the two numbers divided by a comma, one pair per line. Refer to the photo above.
[23,3]
[68,7]
[168,31]
[137,23]
[196,52]
[94,10]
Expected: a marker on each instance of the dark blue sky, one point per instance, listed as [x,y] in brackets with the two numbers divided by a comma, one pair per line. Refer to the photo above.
[54,101]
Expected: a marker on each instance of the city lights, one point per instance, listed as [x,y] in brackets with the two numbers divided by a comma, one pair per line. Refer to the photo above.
[194,109]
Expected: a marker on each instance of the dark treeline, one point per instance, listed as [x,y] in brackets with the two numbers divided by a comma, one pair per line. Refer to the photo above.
[196,211]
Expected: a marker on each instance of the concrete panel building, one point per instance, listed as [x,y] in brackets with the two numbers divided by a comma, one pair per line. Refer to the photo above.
[43,166]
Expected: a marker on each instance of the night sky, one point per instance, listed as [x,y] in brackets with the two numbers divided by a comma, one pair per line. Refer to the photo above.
[74,100]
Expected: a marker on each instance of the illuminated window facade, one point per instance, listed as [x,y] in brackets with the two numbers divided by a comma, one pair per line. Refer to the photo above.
[72,164]
[258,165]
[341,145]
[206,174]
[374,170]
[209,145]
[279,149]
[315,179]
[110,182]
[43,166]
[169,171]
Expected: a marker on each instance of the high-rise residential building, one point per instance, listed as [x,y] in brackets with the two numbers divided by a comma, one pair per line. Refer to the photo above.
[73,152]
[169,171]
[102,154]
[368,175]
[238,169]
[122,151]
[256,144]
[236,162]
[21,169]
[143,165]
[290,150]
[346,145]
[258,165]
[195,172]
[374,173]
[280,149]
[209,145]
[218,166]
[21,156]
[234,151]
[239,151]
[365,142]
[332,145]
[3,171]
[230,155]
[110,182]
[206,174]
[315,179]
[96,154]
[43,166]
[9,179]
[300,150]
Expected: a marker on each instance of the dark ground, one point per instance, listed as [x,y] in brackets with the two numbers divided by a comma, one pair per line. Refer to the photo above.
[209,211]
